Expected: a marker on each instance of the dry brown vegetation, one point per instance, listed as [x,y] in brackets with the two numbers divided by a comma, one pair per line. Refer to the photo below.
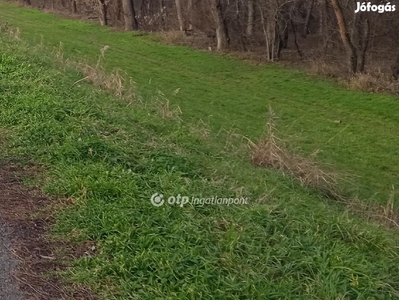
[374,82]
[164,109]
[271,152]
[117,82]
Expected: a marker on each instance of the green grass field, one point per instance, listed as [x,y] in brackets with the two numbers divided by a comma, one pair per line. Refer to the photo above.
[109,157]
[226,93]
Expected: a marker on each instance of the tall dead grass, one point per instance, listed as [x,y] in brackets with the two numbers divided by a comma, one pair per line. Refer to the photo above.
[319,66]
[164,109]
[386,215]
[117,82]
[174,37]
[271,152]
[12,32]
[374,83]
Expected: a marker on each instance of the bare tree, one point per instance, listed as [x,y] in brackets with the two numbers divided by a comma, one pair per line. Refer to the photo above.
[179,13]
[74,7]
[221,28]
[103,7]
[346,40]
[251,18]
[190,15]
[360,38]
[275,18]
[307,20]
[395,68]
[129,15]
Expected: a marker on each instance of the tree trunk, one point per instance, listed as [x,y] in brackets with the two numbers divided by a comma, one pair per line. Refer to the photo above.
[74,7]
[307,20]
[129,15]
[298,49]
[179,12]
[343,30]
[364,46]
[163,17]
[251,18]
[241,36]
[142,9]
[395,68]
[322,17]
[323,25]
[119,10]
[103,12]
[266,34]
[221,28]
[190,15]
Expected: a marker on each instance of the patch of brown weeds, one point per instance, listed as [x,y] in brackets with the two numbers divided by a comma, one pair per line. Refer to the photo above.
[164,109]
[174,37]
[375,83]
[234,142]
[114,82]
[201,130]
[12,32]
[384,215]
[325,68]
[117,82]
[271,152]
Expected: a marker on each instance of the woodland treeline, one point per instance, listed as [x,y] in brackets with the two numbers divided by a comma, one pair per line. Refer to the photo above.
[303,28]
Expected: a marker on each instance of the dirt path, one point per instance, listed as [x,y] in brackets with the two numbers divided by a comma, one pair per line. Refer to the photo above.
[9,286]
[26,254]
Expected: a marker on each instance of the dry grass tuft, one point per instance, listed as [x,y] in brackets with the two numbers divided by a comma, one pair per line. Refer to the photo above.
[375,83]
[173,37]
[16,34]
[386,215]
[114,81]
[58,52]
[234,142]
[324,68]
[270,152]
[97,76]
[201,130]
[12,32]
[164,109]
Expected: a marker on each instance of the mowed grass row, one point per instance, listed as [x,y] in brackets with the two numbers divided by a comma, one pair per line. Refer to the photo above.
[107,158]
[228,94]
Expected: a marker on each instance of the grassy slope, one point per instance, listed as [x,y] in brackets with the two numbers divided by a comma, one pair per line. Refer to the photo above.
[227,93]
[109,159]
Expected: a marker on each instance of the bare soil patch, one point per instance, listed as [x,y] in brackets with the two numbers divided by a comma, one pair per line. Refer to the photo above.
[24,211]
